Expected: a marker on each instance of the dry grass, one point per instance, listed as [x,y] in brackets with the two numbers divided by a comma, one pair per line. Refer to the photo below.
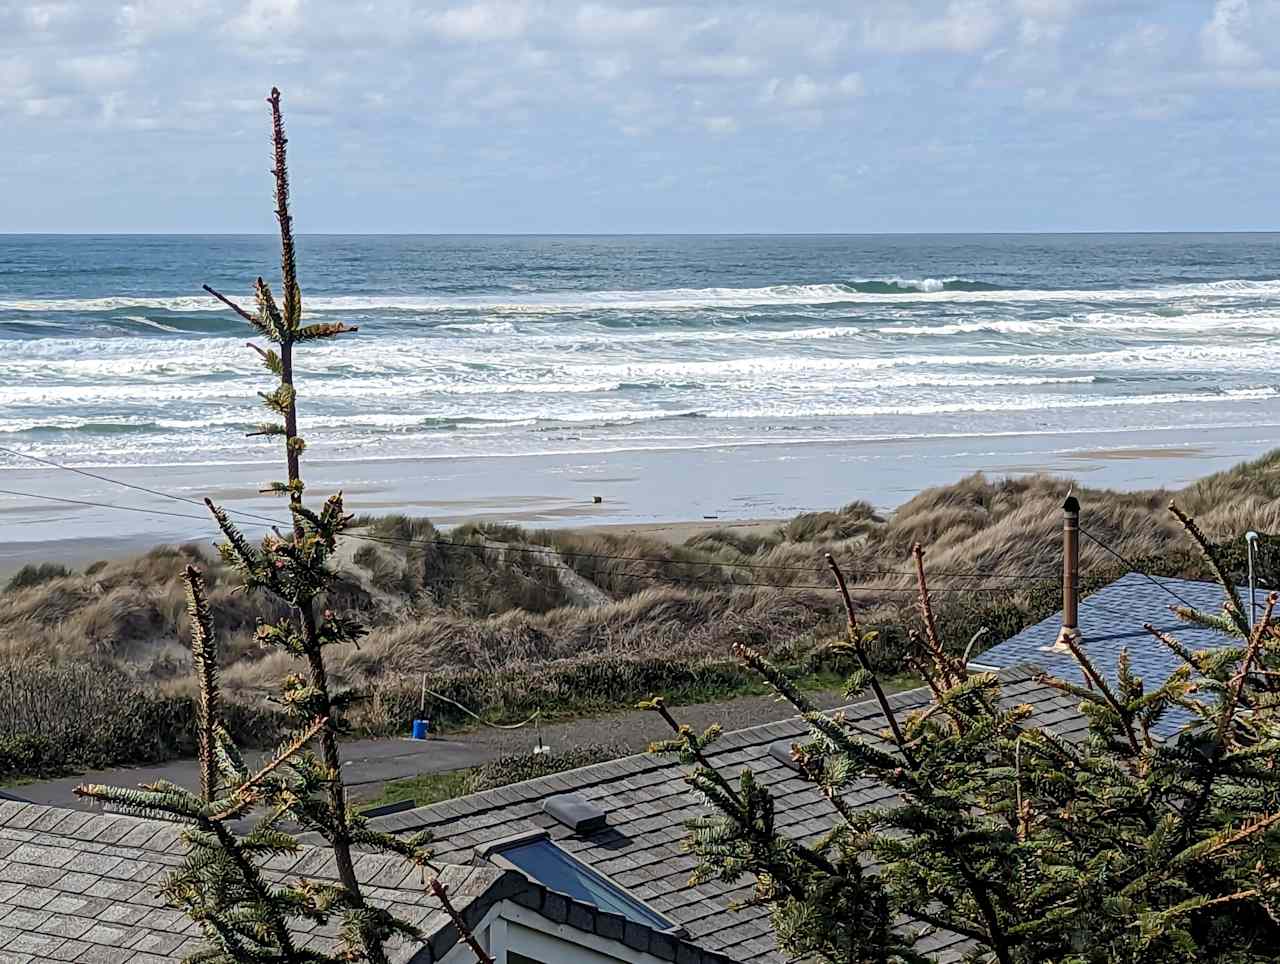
[478,617]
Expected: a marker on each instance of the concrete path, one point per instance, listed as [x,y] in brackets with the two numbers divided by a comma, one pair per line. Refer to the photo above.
[370,764]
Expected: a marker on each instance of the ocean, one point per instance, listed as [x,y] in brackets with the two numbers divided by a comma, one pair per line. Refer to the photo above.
[496,346]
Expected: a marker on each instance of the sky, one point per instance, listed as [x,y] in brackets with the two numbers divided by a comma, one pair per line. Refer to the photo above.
[702,116]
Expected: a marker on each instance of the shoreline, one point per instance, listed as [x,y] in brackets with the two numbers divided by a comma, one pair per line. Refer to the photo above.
[664,493]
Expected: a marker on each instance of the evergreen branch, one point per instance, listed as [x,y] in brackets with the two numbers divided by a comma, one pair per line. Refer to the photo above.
[269,320]
[1219,568]
[441,894]
[204,658]
[288,258]
[232,305]
[267,428]
[315,332]
[941,660]
[1123,714]
[270,358]
[248,790]
[855,643]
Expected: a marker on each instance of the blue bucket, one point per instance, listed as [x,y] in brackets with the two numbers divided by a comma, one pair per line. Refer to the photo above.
[421,729]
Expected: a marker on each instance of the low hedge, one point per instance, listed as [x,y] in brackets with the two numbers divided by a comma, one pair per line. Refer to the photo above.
[66,718]
[518,767]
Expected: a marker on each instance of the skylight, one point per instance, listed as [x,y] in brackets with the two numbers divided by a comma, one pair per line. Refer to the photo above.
[550,866]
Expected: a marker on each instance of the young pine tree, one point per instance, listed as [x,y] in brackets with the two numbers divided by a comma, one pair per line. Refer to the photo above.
[1120,848]
[244,913]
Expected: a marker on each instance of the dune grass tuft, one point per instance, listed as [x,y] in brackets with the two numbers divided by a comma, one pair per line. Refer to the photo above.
[497,616]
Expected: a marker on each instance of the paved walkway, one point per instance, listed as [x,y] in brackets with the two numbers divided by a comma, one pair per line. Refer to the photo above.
[369,764]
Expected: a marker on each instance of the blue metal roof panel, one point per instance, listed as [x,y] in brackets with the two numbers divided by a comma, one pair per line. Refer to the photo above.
[1111,620]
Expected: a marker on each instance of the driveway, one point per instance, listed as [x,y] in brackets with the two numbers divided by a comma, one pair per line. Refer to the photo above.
[369,764]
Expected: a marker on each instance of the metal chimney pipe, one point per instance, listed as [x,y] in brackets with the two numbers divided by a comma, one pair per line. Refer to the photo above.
[1071,567]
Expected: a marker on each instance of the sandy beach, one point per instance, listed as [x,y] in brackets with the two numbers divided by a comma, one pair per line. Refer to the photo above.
[670,494]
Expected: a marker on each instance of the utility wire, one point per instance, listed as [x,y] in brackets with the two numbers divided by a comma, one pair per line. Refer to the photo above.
[1132,568]
[137,488]
[658,577]
[102,505]
[537,714]
[387,540]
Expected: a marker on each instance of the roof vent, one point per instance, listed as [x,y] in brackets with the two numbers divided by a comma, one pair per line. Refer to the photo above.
[781,751]
[576,812]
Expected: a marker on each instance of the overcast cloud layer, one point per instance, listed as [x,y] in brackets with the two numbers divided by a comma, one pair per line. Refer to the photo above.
[560,115]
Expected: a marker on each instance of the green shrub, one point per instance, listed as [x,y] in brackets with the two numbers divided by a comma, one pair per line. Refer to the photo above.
[366,557]
[564,687]
[35,575]
[518,767]
[58,719]
[741,543]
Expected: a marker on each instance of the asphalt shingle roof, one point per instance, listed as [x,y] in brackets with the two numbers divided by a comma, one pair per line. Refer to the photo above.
[1111,620]
[77,886]
[648,805]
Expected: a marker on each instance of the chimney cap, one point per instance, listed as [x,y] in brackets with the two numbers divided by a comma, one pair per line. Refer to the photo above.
[1071,505]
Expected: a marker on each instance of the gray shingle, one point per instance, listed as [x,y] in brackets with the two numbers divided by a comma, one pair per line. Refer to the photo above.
[648,804]
[88,895]
[1111,620]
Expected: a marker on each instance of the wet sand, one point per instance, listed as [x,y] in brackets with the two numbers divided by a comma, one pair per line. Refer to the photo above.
[671,494]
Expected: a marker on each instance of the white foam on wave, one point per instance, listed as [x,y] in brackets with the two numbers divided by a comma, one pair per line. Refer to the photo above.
[150,323]
[611,416]
[480,328]
[1264,320]
[394,367]
[1001,404]
[673,298]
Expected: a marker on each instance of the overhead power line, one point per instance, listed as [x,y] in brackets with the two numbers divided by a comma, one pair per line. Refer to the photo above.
[489,547]
[258,519]
[1133,568]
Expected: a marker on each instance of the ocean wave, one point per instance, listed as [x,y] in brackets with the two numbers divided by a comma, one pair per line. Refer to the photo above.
[1004,404]
[893,286]
[229,397]
[883,291]
[608,416]
[1262,319]
[480,328]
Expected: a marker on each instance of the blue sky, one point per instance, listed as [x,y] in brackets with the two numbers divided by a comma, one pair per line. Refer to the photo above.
[561,115]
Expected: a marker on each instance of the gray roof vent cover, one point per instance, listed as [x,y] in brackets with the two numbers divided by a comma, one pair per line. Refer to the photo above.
[781,751]
[576,812]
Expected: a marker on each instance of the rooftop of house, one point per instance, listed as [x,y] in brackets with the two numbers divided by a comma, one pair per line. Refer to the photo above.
[1111,620]
[83,887]
[77,886]
[646,803]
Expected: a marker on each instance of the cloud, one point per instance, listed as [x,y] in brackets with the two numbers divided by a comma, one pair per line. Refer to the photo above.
[803,91]
[960,26]
[598,24]
[268,18]
[481,21]
[711,66]
[486,95]
[1224,37]
[99,72]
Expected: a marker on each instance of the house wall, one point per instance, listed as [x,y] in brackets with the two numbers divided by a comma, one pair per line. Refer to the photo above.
[509,928]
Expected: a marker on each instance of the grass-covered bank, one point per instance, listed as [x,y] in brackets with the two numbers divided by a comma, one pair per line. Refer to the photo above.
[508,621]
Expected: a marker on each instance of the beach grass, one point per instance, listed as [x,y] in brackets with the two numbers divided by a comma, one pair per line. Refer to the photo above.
[507,621]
